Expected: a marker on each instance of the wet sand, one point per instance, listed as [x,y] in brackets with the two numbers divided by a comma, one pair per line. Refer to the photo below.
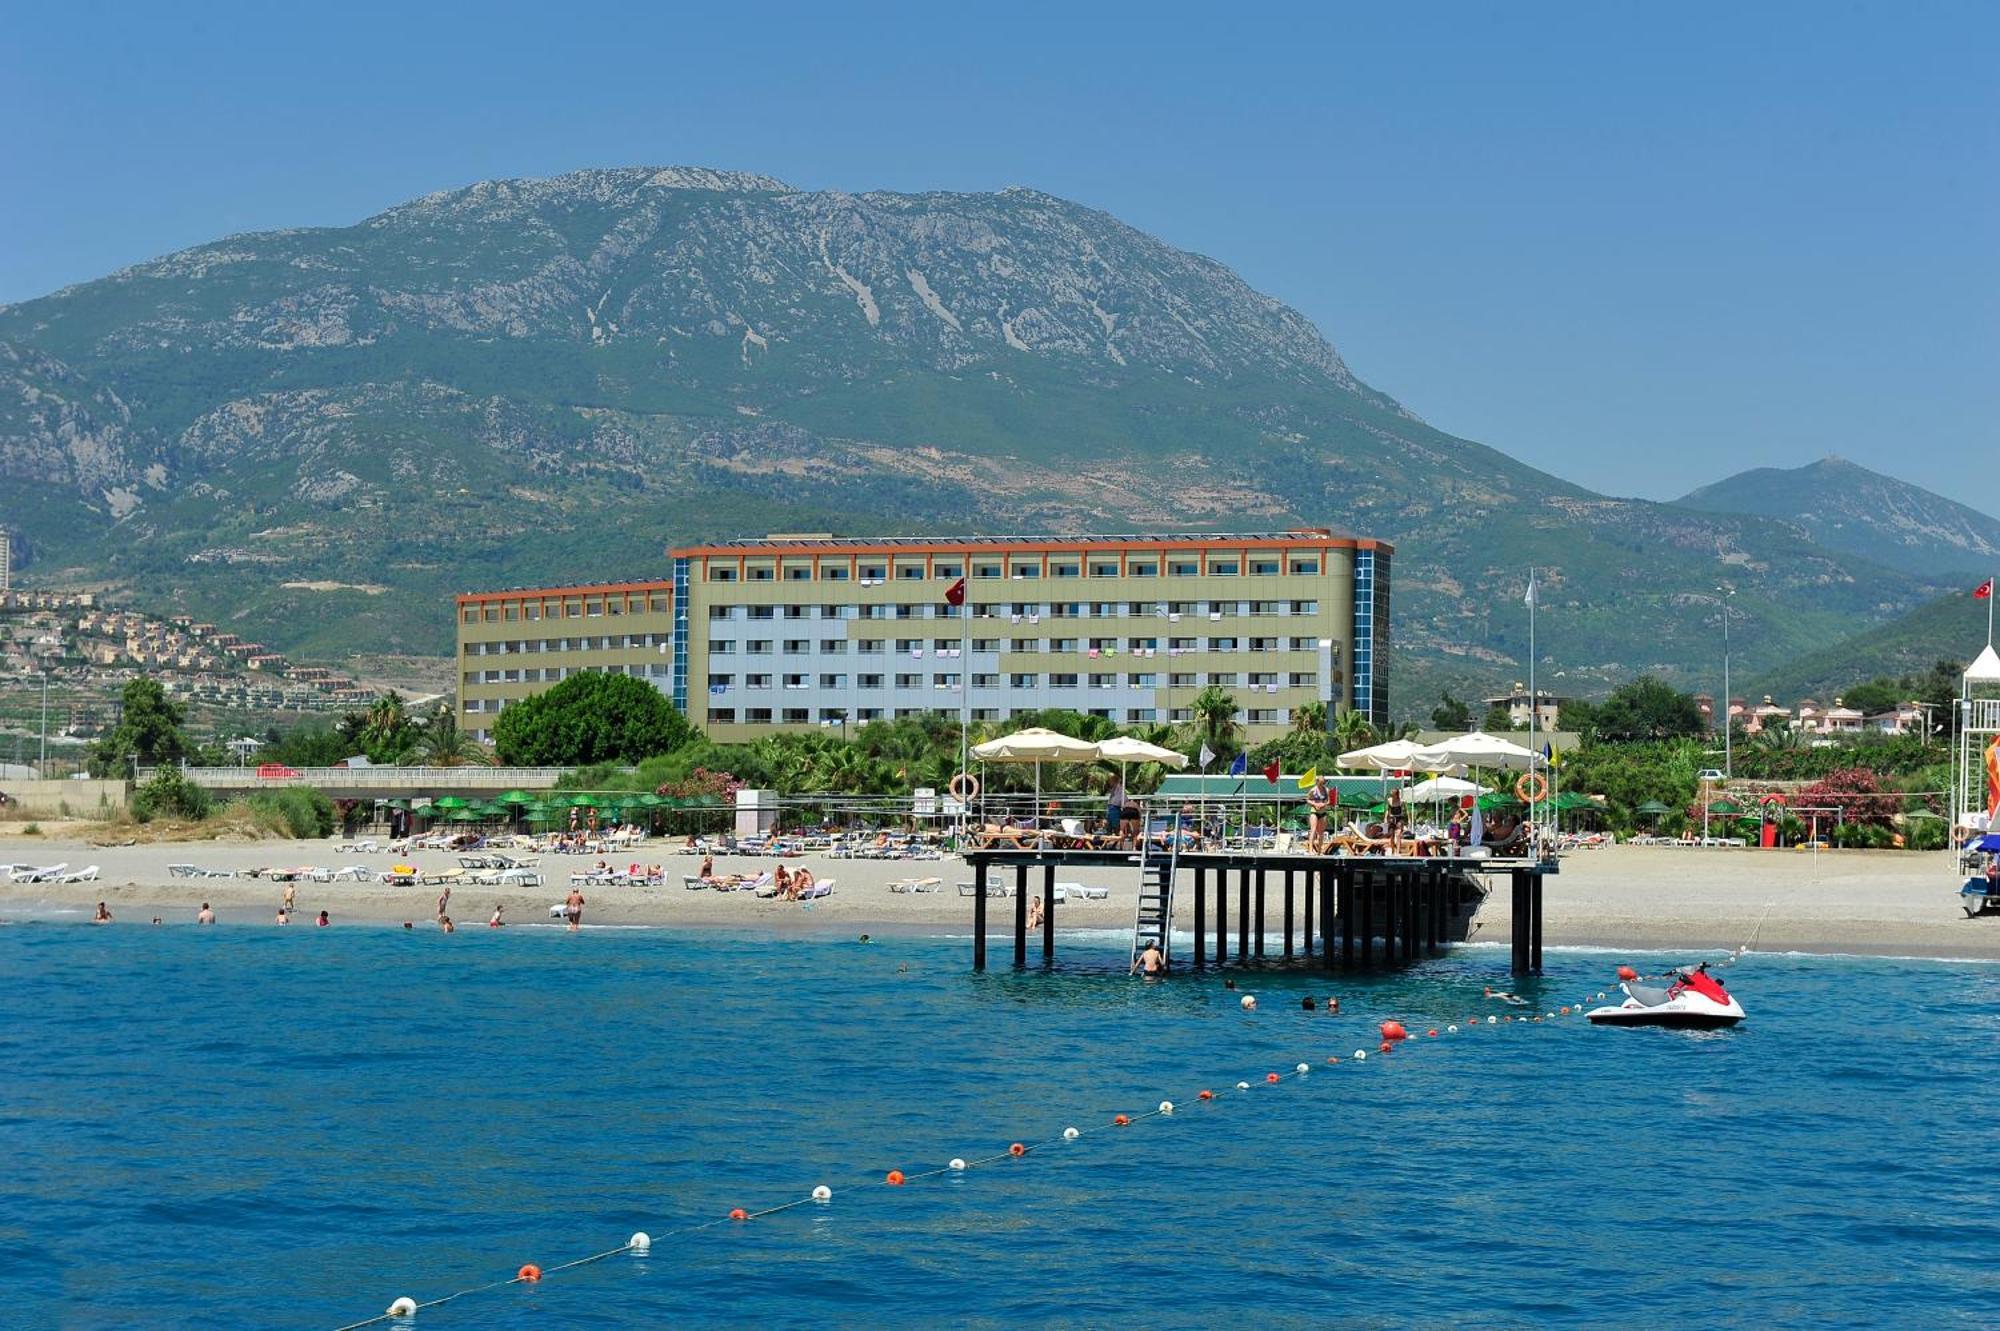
[1879,902]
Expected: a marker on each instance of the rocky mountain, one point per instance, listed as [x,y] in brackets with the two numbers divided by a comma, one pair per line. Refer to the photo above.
[537,379]
[1846,507]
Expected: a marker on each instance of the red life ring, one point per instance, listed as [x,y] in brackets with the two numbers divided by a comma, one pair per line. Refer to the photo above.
[1533,782]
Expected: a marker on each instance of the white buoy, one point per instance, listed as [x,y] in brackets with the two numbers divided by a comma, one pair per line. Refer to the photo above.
[1451,1030]
[1249,1002]
[404,1307]
[1242,1085]
[1493,1021]
[1166,1106]
[1361,1055]
[1304,1068]
[640,1243]
[1070,1134]
[822,1193]
[957,1163]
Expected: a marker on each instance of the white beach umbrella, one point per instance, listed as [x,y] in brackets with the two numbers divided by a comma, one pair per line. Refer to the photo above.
[1396,755]
[1440,788]
[1122,749]
[1476,749]
[1037,745]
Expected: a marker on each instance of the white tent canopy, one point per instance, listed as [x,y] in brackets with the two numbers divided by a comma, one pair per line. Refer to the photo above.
[1036,745]
[1476,749]
[1397,755]
[1985,669]
[1442,788]
[1125,749]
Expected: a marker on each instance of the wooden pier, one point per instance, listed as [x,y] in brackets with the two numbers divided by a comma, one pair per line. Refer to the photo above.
[1370,910]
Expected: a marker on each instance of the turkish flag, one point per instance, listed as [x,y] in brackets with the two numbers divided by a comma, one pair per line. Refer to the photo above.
[955,594]
[1983,591]
[1273,772]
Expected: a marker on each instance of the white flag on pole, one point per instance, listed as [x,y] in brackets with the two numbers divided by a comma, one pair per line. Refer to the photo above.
[1207,754]
[1529,600]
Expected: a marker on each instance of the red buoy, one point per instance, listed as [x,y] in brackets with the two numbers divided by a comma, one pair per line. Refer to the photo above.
[1393,1030]
[1388,1047]
[1121,1120]
[1017,1149]
[894,1178]
[1431,1034]
[1627,973]
[1206,1095]
[530,1273]
[739,1214]
[1270,1076]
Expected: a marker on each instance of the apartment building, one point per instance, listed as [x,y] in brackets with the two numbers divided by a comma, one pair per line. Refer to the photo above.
[814,630]
[514,644]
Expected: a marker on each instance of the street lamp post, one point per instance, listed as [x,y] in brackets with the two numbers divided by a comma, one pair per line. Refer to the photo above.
[1728,763]
[42,765]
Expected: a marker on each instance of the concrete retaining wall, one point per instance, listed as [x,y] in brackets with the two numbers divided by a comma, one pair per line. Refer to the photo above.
[85,799]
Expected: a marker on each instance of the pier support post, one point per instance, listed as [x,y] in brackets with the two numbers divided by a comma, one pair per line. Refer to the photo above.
[1020,915]
[1243,914]
[1315,884]
[1392,914]
[1343,884]
[1288,911]
[1364,886]
[1257,944]
[978,913]
[1412,881]
[1200,914]
[1221,917]
[1049,912]
[1535,935]
[1518,923]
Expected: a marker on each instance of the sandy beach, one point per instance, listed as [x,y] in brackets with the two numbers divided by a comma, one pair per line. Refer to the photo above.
[1878,902]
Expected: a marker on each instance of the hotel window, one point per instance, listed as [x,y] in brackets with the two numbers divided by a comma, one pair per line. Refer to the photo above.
[797,646]
[721,715]
[1145,570]
[986,644]
[1223,644]
[1264,568]
[1104,712]
[868,681]
[763,611]
[832,716]
[797,716]
[909,645]
[762,575]
[868,713]
[833,573]
[1064,570]
[1064,610]
[1144,681]
[722,647]
[987,681]
[724,680]
[1055,645]
[1304,644]
[512,612]
[985,570]
[868,646]
[1180,644]
[1180,681]
[1182,568]
[943,645]
[909,612]
[1264,608]
[944,681]
[986,713]
[1104,570]
[1226,609]
[722,612]
[1104,681]
[1180,714]
[909,681]
[1100,644]
[1143,714]
[758,716]
[1224,568]
[833,646]
[468,616]
[1263,716]
[836,612]
[757,647]
[1263,644]
[1035,645]
[795,681]
[904,713]
[1143,644]
[1262,678]
[798,575]
[872,612]
[1305,679]
[1104,610]
[1062,681]
[1305,607]
[874,572]
[573,609]
[756,681]
[798,612]
[833,681]
[1226,678]
[718,573]
[954,569]
[910,572]
[1305,566]
[1027,570]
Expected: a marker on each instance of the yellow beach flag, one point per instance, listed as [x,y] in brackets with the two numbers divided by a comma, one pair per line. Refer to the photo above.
[1309,779]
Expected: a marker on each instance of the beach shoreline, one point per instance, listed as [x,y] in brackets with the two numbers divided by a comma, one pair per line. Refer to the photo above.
[1880,903]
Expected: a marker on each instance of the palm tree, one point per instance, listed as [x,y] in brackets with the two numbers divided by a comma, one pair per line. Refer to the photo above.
[1309,719]
[443,744]
[1215,717]
[1351,730]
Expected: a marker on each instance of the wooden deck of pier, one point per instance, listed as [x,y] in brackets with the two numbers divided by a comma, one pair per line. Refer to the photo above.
[1371,910]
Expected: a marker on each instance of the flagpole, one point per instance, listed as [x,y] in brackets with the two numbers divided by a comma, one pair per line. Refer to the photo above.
[1990,599]
[1534,699]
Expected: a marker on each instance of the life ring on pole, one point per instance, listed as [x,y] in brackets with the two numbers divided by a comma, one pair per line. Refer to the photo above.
[1532,788]
[964,787]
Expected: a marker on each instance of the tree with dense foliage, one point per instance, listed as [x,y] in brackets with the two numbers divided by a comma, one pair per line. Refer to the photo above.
[1309,718]
[440,743]
[149,731]
[1214,711]
[1352,730]
[590,718]
[1497,720]
[1647,708]
[1451,714]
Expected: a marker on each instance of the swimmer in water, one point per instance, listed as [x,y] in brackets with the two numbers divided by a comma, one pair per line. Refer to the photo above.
[284,916]
[866,939]
[103,915]
[444,923]
[496,922]
[1151,960]
[323,921]
[1307,1002]
[206,915]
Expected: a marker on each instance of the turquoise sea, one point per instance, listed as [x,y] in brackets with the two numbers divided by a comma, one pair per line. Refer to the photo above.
[252,1127]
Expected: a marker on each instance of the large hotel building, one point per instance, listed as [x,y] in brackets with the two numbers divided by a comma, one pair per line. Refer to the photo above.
[798,631]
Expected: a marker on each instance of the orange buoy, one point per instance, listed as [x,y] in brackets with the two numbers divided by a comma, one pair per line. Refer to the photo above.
[1627,973]
[739,1214]
[1431,1034]
[1017,1149]
[530,1273]
[1563,1010]
[1270,1076]
[894,1178]
[1393,1030]
[1206,1095]
[1388,1047]
[1121,1120]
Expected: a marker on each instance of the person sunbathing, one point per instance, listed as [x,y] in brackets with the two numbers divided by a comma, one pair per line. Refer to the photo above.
[802,883]
[784,882]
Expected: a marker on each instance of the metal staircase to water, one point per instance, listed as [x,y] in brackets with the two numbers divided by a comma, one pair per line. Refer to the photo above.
[1154,917]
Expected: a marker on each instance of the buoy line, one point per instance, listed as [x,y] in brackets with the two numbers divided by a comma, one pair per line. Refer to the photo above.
[1393,1034]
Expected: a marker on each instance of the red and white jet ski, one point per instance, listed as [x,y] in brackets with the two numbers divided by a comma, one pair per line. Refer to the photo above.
[1695,1000]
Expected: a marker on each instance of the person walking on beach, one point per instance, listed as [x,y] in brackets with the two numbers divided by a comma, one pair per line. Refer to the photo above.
[206,915]
[1151,960]
[291,899]
[573,908]
[444,900]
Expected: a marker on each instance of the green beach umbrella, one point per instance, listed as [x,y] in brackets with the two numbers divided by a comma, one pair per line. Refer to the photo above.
[1652,808]
[515,797]
[651,801]
[1497,801]
[1725,806]
[451,802]
[584,802]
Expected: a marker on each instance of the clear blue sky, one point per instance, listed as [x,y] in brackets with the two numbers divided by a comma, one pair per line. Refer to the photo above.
[1639,245]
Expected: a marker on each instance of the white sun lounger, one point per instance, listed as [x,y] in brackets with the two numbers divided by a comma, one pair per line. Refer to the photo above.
[1082,891]
[995,887]
[84,875]
[915,885]
[29,873]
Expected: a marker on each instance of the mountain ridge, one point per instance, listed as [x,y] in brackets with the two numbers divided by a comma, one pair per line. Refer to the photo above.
[524,380]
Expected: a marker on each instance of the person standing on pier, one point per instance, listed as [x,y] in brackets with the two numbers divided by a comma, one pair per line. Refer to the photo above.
[1114,807]
[1318,800]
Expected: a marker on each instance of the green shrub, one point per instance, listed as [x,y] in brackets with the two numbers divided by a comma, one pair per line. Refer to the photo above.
[32,829]
[1924,834]
[170,795]
[296,811]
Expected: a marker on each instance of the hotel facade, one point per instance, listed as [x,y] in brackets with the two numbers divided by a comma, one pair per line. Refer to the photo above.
[808,631]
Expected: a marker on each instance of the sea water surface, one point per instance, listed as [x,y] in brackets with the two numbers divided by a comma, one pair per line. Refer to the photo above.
[254,1127]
